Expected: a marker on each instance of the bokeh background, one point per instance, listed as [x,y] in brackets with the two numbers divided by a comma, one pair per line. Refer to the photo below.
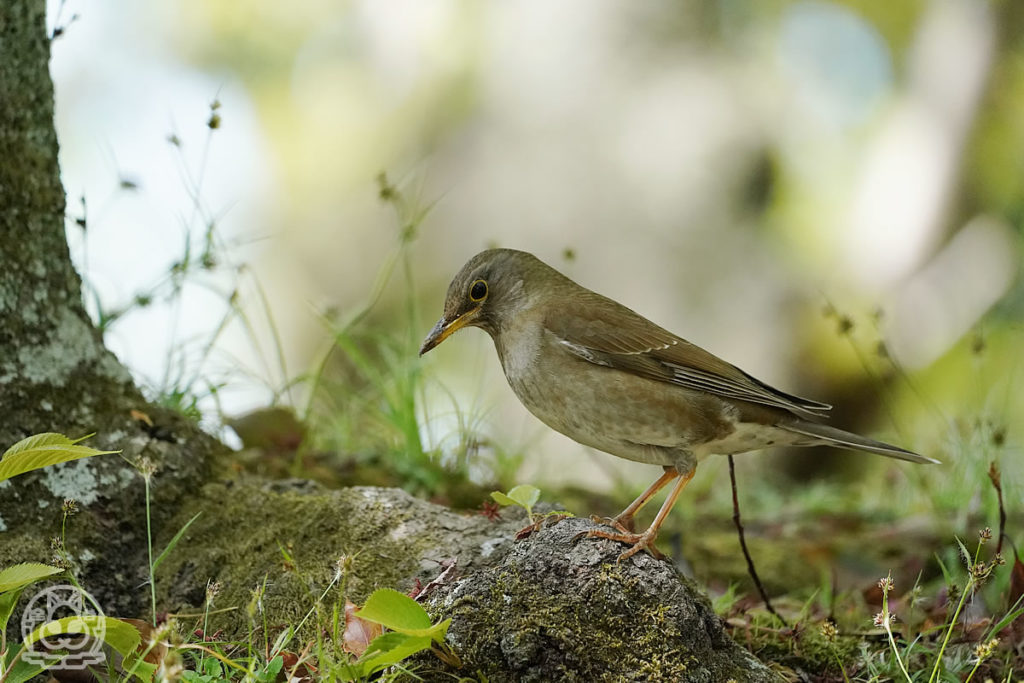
[828,194]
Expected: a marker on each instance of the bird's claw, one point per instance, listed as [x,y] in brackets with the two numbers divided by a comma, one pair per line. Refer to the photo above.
[623,526]
[644,541]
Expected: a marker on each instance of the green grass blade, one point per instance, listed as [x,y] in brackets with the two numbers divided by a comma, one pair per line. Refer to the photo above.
[174,541]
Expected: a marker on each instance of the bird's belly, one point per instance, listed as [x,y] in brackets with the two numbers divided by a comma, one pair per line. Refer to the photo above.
[622,414]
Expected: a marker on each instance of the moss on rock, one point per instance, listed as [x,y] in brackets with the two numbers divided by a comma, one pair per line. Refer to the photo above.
[289,535]
[560,609]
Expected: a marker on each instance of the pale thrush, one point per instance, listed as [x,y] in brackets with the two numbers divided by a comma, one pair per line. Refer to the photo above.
[608,378]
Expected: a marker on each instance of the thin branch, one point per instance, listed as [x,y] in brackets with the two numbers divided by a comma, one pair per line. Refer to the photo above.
[743,544]
[996,478]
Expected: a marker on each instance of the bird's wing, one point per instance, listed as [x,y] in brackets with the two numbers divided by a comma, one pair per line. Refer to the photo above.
[604,332]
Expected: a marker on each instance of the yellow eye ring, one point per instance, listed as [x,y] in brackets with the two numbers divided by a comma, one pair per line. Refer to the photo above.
[478,291]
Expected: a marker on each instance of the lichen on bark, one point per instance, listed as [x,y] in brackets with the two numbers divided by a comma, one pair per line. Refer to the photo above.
[54,369]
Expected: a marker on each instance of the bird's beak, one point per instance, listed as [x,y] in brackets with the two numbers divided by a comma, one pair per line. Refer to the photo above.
[445,328]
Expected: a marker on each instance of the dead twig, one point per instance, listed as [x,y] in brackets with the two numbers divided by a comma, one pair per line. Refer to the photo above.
[743,545]
[997,482]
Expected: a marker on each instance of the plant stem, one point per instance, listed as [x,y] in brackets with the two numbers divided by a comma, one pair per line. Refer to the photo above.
[949,631]
[887,622]
[310,611]
[895,652]
[206,618]
[14,660]
[971,675]
[149,543]
[968,589]
[839,663]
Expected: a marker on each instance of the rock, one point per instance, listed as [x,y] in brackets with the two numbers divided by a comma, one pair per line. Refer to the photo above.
[290,535]
[556,608]
[547,607]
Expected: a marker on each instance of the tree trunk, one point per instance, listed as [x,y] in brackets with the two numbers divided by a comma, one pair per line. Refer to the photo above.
[55,374]
[54,370]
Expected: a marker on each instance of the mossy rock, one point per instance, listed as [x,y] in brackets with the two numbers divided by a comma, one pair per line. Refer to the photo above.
[557,608]
[287,537]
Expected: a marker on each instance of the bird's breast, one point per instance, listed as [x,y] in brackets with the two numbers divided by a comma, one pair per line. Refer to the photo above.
[519,354]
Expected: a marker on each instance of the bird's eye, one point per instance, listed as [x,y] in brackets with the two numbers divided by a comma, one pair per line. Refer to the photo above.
[478,291]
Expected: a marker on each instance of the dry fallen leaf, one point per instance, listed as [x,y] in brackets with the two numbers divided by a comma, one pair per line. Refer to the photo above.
[358,632]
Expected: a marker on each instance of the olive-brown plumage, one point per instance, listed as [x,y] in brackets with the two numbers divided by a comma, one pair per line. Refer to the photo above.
[607,377]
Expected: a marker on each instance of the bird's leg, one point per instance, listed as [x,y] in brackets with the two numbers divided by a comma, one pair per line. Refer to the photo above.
[624,520]
[646,539]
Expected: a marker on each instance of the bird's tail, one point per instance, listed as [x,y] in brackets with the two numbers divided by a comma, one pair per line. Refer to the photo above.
[826,435]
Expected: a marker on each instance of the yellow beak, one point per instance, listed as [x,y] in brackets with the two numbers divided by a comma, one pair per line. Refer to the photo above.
[444,329]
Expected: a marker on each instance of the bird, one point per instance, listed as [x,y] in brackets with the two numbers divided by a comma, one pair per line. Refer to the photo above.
[606,377]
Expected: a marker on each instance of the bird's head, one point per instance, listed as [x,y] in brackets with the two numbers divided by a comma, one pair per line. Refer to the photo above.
[490,290]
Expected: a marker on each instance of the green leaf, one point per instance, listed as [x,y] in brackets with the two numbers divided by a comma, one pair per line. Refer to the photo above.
[395,611]
[525,495]
[501,499]
[212,667]
[7,602]
[119,635]
[43,450]
[388,649]
[1006,620]
[43,439]
[174,541]
[274,667]
[384,643]
[141,669]
[400,613]
[438,631]
[21,575]
[945,572]
[23,671]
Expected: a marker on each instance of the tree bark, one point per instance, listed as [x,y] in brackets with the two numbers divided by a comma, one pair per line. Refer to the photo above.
[55,374]
[53,367]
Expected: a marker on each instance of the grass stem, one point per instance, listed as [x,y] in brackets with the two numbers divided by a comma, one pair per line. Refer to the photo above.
[887,623]
[149,547]
[968,589]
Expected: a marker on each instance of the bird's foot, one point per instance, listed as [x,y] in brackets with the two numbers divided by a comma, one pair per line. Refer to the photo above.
[621,524]
[644,541]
